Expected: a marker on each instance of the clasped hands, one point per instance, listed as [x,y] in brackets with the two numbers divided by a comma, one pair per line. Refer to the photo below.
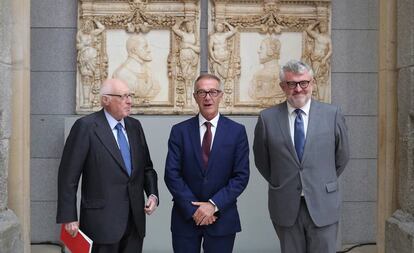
[204,215]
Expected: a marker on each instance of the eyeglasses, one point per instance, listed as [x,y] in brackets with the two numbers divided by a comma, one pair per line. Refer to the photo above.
[203,93]
[292,84]
[123,96]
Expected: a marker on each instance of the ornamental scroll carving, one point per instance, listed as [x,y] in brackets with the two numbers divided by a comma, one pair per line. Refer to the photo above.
[154,46]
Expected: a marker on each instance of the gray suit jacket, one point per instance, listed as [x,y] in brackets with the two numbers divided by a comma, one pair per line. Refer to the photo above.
[325,156]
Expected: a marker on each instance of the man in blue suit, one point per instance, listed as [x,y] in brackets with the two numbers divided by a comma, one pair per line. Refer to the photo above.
[207,168]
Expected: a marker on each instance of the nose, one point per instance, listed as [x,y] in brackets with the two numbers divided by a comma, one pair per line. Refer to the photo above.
[208,96]
[298,88]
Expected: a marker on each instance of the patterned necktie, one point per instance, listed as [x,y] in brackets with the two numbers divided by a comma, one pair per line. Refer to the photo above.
[205,146]
[299,134]
[124,147]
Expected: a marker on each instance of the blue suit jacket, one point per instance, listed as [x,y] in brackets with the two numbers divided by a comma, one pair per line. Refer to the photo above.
[223,181]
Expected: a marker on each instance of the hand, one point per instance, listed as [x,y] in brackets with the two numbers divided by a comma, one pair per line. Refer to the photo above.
[151,205]
[204,214]
[72,228]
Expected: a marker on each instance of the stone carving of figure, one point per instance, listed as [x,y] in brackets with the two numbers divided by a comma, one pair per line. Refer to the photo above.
[136,71]
[218,50]
[264,85]
[189,55]
[87,44]
[319,57]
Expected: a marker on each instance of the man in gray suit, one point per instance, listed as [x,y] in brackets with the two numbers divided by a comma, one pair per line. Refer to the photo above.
[301,148]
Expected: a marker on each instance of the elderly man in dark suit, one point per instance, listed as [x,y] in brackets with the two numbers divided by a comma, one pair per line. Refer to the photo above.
[300,148]
[109,150]
[207,168]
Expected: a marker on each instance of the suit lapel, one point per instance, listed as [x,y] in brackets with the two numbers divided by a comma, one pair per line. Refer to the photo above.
[312,124]
[285,129]
[195,140]
[219,137]
[104,133]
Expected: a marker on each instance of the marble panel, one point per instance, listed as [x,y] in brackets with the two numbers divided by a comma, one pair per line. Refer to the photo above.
[47,136]
[355,93]
[359,180]
[362,136]
[53,92]
[53,49]
[53,13]
[355,14]
[355,51]
[358,222]
[43,179]
[43,222]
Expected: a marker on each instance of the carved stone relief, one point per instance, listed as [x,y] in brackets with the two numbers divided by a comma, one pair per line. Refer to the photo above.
[154,46]
[261,36]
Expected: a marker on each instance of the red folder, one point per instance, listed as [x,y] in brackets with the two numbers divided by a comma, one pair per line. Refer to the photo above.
[81,243]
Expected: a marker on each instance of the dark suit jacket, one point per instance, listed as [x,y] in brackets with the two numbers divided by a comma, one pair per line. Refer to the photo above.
[108,193]
[325,157]
[223,181]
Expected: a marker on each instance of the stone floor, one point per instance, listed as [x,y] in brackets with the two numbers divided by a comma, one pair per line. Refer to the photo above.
[45,249]
[55,249]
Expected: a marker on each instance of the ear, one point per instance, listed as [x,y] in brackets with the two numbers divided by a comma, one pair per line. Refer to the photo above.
[105,100]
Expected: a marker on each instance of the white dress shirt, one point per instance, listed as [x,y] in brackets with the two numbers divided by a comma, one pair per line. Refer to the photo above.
[203,128]
[292,117]
[112,123]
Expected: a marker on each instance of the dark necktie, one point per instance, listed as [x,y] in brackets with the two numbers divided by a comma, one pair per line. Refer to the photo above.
[299,134]
[205,146]
[124,147]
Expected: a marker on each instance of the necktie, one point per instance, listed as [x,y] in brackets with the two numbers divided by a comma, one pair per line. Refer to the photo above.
[205,146]
[124,147]
[299,134]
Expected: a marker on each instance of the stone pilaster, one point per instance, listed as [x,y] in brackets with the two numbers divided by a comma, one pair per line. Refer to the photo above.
[10,237]
[400,227]
[19,151]
[387,118]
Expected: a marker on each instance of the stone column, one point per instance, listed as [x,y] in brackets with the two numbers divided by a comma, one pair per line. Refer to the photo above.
[19,165]
[10,238]
[387,118]
[399,230]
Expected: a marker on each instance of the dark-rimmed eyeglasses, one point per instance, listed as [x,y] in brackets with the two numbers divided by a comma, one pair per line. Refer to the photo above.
[303,84]
[123,96]
[203,93]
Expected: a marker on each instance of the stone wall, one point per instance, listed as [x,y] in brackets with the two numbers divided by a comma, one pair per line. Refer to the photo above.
[354,88]
[10,239]
[400,227]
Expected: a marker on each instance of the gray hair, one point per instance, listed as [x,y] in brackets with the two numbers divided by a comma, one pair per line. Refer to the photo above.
[208,76]
[294,66]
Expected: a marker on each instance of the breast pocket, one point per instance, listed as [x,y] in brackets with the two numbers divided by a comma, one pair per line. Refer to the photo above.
[332,186]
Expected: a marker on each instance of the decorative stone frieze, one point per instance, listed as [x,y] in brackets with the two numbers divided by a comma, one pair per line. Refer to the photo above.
[154,46]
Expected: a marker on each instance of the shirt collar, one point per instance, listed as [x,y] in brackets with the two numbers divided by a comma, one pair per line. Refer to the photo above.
[202,120]
[305,108]
[112,121]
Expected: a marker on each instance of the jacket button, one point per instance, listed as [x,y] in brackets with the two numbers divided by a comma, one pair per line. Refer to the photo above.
[299,188]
